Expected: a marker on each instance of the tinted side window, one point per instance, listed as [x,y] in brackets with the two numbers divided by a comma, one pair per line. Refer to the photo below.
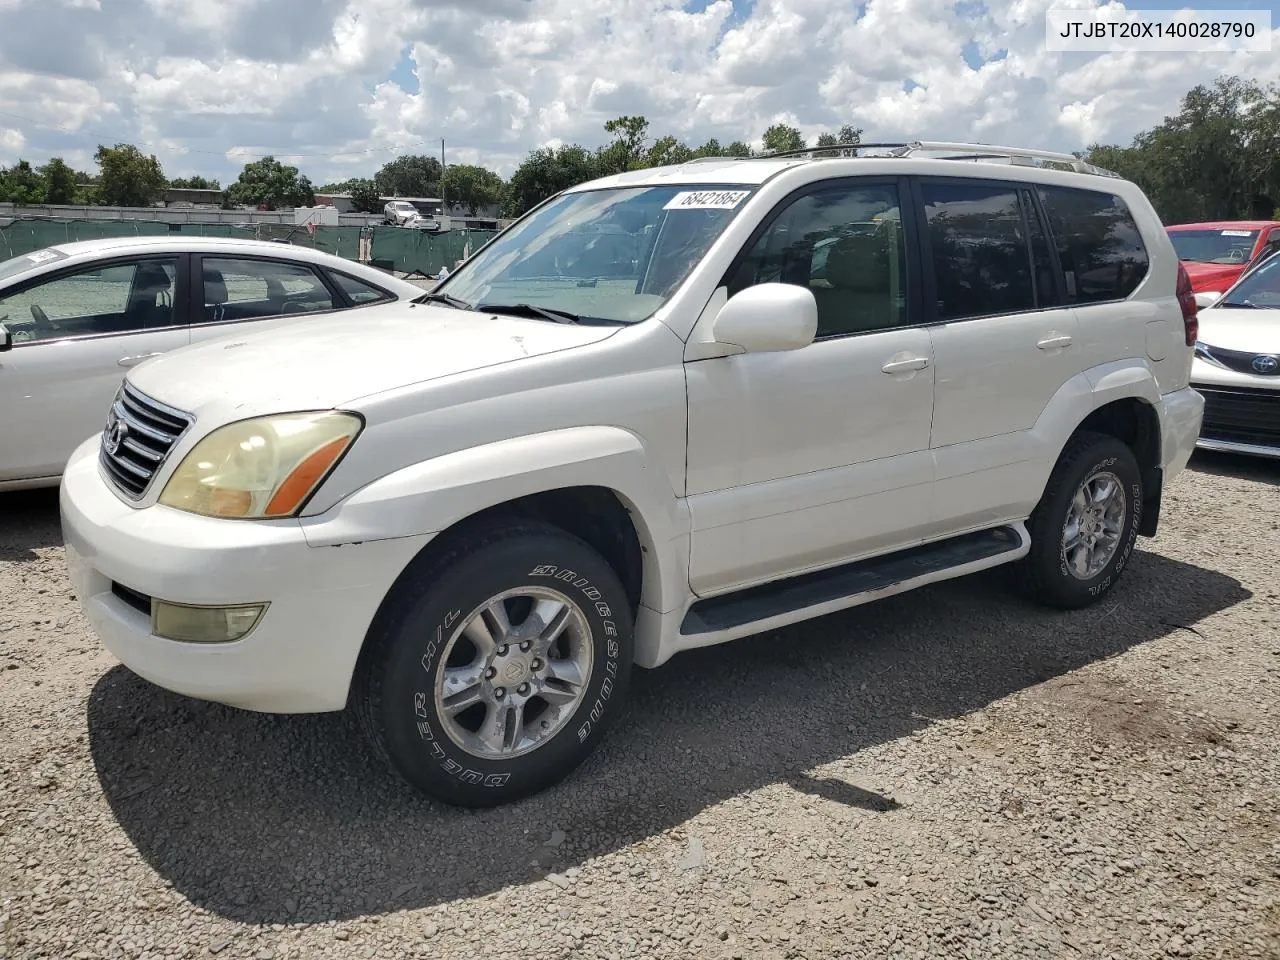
[1103,256]
[843,243]
[249,289]
[980,253]
[357,291]
[1041,259]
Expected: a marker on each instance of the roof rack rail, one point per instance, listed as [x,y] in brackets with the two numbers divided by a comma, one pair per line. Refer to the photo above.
[959,151]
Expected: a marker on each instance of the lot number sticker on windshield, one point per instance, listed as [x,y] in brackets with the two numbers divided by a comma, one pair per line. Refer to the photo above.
[706,200]
[1236,233]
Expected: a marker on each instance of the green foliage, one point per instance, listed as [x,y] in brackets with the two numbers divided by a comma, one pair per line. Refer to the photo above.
[127,177]
[195,183]
[271,184]
[471,186]
[547,171]
[21,183]
[781,137]
[1213,160]
[364,196]
[409,176]
[59,182]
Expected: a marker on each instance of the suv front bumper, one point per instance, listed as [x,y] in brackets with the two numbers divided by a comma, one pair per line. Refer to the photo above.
[300,655]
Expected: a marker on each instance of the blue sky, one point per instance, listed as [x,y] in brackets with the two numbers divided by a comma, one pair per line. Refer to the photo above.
[339,87]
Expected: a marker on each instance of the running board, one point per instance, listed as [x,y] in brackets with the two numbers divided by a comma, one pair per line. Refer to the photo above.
[773,605]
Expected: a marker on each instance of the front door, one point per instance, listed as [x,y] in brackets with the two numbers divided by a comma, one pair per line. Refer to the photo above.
[76,334]
[801,460]
[235,295]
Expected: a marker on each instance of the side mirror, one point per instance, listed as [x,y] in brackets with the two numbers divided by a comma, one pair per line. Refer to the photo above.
[1207,298]
[768,317]
[6,339]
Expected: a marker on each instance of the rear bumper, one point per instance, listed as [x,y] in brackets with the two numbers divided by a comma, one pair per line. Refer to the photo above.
[1183,414]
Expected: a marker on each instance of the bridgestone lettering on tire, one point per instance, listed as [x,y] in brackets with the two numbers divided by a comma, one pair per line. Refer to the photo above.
[496,664]
[1084,529]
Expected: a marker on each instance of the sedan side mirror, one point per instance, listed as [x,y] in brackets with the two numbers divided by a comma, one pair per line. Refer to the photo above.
[1207,298]
[6,339]
[768,317]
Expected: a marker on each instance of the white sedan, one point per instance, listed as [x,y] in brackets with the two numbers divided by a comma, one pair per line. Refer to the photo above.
[1237,364]
[73,317]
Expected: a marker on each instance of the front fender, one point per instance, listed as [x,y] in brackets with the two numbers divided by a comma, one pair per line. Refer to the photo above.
[431,496]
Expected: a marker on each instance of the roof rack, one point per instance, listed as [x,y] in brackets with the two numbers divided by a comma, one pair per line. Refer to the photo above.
[958,150]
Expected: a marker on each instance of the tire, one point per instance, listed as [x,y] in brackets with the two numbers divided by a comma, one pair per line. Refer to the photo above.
[1071,579]
[477,757]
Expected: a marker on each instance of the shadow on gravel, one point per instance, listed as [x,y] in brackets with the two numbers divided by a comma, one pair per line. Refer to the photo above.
[287,820]
[28,522]
[1257,469]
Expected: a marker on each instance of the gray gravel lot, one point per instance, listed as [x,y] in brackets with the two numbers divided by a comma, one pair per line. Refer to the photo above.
[951,773]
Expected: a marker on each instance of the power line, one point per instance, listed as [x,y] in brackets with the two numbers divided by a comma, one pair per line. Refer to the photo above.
[101,137]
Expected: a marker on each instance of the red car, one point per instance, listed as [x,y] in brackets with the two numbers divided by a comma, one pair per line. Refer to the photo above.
[1215,254]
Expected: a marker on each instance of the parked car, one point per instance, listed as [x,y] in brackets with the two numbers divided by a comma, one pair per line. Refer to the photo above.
[398,212]
[1216,254]
[469,519]
[75,317]
[1237,364]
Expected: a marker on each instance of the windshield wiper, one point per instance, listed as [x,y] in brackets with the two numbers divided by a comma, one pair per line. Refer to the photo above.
[559,316]
[1238,304]
[442,298]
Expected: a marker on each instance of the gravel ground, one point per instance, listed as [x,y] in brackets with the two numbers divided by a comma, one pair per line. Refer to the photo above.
[951,773]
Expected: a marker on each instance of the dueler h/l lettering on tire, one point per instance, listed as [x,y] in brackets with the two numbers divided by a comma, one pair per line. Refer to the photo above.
[495,667]
[1084,529]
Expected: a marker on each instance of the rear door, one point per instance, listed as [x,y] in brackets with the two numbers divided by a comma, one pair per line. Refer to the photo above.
[77,331]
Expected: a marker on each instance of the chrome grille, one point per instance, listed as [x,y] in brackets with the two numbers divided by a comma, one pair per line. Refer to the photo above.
[137,438]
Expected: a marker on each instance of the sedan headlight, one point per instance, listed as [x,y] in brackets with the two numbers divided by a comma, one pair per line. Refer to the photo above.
[261,468]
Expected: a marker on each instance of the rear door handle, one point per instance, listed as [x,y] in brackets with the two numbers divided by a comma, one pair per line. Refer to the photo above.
[131,361]
[905,366]
[1050,342]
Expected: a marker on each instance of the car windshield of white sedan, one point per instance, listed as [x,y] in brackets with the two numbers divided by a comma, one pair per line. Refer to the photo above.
[611,255]
[1261,288]
[1214,246]
[28,261]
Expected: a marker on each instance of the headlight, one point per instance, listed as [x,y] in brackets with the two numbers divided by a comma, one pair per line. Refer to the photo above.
[260,468]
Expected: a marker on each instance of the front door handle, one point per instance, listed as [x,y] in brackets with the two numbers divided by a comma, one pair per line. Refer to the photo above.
[905,366]
[1050,343]
[131,361]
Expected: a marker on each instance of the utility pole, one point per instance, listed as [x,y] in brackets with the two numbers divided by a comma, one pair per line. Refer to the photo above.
[444,205]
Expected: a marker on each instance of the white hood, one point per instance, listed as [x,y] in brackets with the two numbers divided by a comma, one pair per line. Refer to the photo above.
[329,361]
[1234,328]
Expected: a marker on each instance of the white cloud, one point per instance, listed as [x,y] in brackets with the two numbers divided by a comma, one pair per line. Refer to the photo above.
[319,82]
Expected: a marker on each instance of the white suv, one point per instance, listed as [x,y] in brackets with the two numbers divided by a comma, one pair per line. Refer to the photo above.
[662,410]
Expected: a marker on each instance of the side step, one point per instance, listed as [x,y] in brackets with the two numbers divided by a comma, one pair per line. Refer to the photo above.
[816,594]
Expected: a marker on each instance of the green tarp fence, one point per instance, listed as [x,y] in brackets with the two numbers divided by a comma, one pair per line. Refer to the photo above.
[398,248]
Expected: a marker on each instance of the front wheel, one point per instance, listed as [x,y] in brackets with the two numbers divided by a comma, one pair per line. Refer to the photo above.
[1084,528]
[497,665]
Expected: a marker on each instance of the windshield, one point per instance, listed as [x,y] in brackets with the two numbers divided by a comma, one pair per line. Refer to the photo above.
[28,261]
[614,255]
[1261,288]
[1214,246]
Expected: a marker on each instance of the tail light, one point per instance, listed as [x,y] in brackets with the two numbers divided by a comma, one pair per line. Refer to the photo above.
[1187,301]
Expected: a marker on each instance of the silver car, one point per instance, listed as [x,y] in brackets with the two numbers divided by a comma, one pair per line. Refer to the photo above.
[75,317]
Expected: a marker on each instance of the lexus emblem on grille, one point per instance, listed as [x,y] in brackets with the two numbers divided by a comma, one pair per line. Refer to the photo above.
[1266,365]
[114,433]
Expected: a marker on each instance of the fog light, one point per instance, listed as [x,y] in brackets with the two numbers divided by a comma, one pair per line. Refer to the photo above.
[177,621]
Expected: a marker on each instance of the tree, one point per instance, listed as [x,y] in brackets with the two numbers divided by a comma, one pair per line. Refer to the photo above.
[666,151]
[850,134]
[545,172]
[21,183]
[626,151]
[60,185]
[780,137]
[409,176]
[270,183]
[364,196]
[127,177]
[472,186]
[196,182]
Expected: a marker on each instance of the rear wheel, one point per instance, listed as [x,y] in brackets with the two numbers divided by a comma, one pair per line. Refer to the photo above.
[1084,528]
[497,665]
